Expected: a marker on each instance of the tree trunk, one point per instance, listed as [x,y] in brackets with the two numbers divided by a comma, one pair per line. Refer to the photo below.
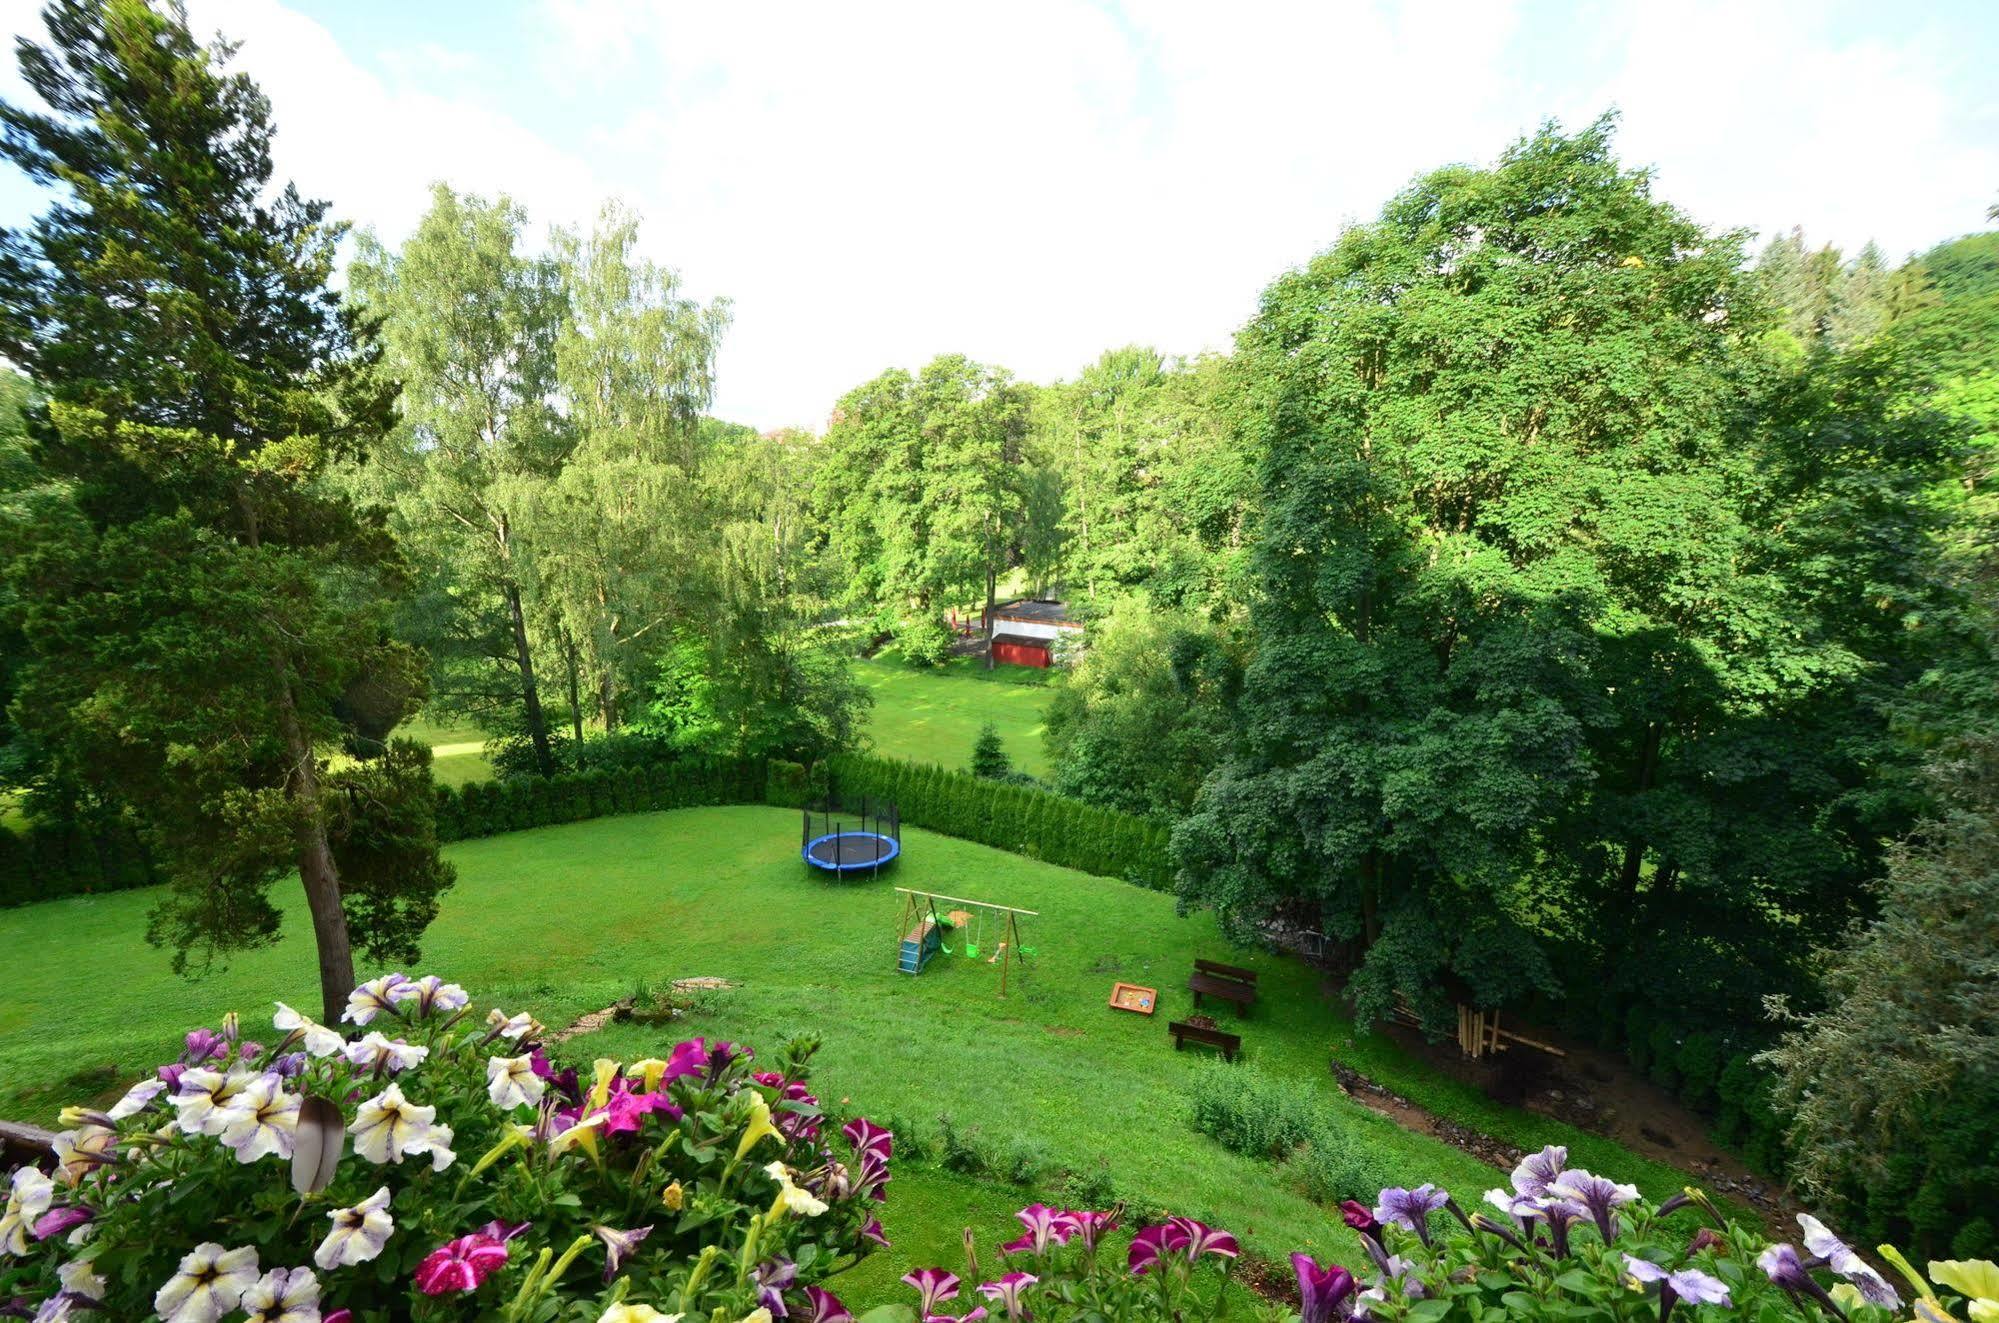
[991,587]
[607,699]
[1648,768]
[316,869]
[575,691]
[544,757]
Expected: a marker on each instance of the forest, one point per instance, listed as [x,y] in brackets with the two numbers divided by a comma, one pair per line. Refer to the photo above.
[1559,605]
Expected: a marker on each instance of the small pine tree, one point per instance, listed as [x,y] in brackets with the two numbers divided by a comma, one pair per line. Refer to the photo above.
[989,755]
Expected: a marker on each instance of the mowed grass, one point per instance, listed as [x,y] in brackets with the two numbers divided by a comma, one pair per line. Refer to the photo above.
[564,920]
[933,714]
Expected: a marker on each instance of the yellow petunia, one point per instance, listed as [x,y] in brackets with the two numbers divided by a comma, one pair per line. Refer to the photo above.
[759,1127]
[651,1070]
[636,1314]
[600,1088]
[673,1196]
[1977,1280]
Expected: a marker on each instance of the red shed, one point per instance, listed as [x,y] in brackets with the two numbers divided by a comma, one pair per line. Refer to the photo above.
[1019,650]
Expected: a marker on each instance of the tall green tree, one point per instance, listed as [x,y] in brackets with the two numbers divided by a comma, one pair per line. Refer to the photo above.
[621,520]
[196,633]
[975,491]
[469,327]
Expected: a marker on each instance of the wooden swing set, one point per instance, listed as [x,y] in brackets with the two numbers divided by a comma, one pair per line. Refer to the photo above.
[919,931]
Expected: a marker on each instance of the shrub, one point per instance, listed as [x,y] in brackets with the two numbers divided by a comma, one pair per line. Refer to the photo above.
[1248,1112]
[786,785]
[441,1170]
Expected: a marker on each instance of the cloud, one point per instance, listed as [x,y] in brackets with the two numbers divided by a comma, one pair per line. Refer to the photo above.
[1034,181]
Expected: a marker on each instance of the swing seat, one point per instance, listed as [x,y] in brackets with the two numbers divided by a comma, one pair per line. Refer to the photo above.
[971,951]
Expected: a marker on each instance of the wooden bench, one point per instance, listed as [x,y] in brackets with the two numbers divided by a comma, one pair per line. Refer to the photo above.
[1228,989]
[1183,1033]
[21,1144]
[1235,972]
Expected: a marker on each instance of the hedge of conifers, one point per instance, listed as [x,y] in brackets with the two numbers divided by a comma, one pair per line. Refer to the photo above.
[45,863]
[1014,818]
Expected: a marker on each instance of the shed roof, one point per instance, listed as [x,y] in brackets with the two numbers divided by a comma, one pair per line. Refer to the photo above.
[1037,609]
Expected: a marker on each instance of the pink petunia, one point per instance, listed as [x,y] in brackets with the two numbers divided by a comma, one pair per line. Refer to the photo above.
[460,1265]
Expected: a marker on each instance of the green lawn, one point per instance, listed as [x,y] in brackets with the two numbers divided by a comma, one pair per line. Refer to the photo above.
[567,919]
[933,714]
[457,752]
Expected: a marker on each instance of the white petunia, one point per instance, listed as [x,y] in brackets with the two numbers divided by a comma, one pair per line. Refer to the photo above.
[28,1197]
[789,1197]
[431,993]
[374,997]
[262,1120]
[358,1233]
[509,1026]
[210,1283]
[283,1295]
[84,1150]
[79,1277]
[319,1040]
[394,1054]
[137,1099]
[511,1082]
[205,1098]
[441,1155]
[388,1125]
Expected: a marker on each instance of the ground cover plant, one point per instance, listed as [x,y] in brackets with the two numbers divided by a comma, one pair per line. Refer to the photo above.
[569,919]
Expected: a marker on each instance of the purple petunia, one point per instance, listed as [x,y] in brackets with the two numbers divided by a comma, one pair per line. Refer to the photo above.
[1325,1292]
[773,1278]
[1092,1227]
[1007,1291]
[1045,1227]
[826,1307]
[1537,1171]
[1689,1284]
[1152,1244]
[1840,1257]
[1203,1239]
[1410,1209]
[1597,1194]
[869,1139]
[934,1285]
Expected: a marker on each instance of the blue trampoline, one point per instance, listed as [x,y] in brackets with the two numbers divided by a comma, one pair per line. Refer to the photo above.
[848,843]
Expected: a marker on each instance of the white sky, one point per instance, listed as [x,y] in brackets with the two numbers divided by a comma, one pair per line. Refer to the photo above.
[1033,181]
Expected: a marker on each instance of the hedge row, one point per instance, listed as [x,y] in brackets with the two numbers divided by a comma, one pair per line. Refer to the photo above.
[48,862]
[1014,818]
[488,808]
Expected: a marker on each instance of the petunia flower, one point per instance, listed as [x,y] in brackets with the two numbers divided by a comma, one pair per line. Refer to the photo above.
[1092,1227]
[388,1126]
[759,1127]
[137,1099]
[509,1026]
[1152,1244]
[1410,1209]
[375,1048]
[372,998]
[441,1155]
[1689,1284]
[826,1307]
[1977,1280]
[869,1138]
[1203,1239]
[83,1150]
[203,1045]
[262,1120]
[1839,1256]
[1522,1208]
[1325,1292]
[1045,1227]
[204,1099]
[319,1041]
[636,1314]
[58,1220]
[358,1234]
[934,1285]
[1537,1171]
[511,1082]
[1007,1291]
[1598,1194]
[29,1195]
[1561,1214]
[773,1277]
[790,1198]
[79,1278]
[618,1245]
[210,1283]
[460,1264]
[873,1231]
[283,1295]
[431,994]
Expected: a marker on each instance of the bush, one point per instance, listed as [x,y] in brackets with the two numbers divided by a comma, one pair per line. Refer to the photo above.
[786,784]
[1248,1112]
[459,1141]
[490,808]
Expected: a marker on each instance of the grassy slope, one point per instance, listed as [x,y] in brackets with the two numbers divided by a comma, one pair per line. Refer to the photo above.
[933,715]
[567,919]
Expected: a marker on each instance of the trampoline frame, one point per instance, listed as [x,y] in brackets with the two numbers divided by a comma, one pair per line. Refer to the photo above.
[877,820]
